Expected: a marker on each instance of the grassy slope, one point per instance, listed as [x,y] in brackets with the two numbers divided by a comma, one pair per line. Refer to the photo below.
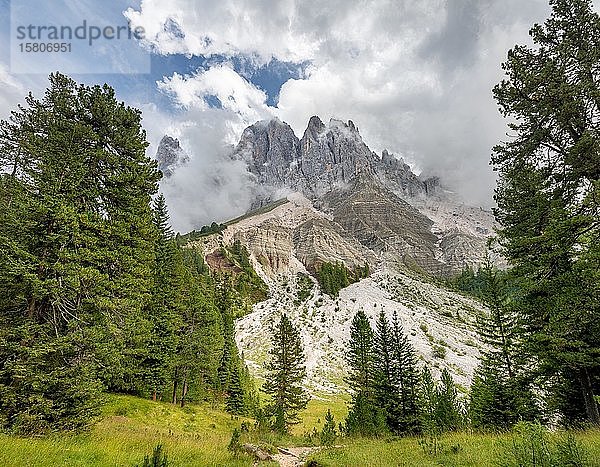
[314,415]
[130,428]
[198,436]
[458,449]
[256,212]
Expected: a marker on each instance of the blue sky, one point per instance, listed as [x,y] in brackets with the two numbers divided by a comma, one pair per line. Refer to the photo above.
[415,76]
[141,87]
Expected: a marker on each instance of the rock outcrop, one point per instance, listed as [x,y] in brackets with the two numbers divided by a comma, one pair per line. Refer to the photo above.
[326,157]
[170,156]
[328,198]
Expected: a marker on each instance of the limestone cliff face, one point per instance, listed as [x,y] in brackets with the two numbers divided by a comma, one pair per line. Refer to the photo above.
[333,155]
[270,244]
[320,240]
[326,157]
[378,218]
[338,201]
[271,150]
[290,236]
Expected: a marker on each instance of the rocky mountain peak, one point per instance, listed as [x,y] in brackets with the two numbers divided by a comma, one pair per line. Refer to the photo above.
[340,125]
[328,155]
[315,126]
[170,155]
[270,149]
[386,157]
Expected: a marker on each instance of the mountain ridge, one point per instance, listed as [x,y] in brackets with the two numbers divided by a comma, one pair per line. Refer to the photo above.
[325,157]
[339,202]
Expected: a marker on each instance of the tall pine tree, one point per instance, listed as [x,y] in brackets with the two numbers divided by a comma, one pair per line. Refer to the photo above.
[406,378]
[286,373]
[386,373]
[501,393]
[365,416]
[76,240]
[549,190]
[164,309]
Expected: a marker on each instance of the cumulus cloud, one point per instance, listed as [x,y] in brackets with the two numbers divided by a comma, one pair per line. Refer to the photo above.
[415,75]
[11,92]
[210,187]
[222,87]
[216,105]
[262,28]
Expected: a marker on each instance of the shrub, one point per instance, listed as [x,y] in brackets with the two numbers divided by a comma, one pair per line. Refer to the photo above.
[328,433]
[532,446]
[158,459]
[439,351]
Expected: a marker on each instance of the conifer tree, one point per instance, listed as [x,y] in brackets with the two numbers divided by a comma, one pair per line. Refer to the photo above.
[440,408]
[251,396]
[76,239]
[234,402]
[229,357]
[360,354]
[286,373]
[448,412]
[428,402]
[406,379]
[328,434]
[501,392]
[387,384]
[499,328]
[200,334]
[164,309]
[548,192]
[365,417]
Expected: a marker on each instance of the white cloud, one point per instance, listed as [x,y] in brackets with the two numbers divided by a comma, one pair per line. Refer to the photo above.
[210,187]
[414,75]
[262,28]
[11,92]
[243,101]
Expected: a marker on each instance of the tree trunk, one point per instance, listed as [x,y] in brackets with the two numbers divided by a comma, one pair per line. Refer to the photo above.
[591,406]
[154,395]
[174,399]
[184,391]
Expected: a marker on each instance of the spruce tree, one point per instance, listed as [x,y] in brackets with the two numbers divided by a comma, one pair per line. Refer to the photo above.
[164,309]
[387,384]
[328,434]
[201,333]
[229,357]
[549,190]
[501,393]
[448,411]
[428,402]
[286,373]
[234,402]
[406,378]
[499,328]
[365,417]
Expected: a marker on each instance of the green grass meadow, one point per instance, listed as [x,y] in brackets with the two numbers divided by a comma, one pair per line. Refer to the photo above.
[457,449]
[198,435]
[131,428]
